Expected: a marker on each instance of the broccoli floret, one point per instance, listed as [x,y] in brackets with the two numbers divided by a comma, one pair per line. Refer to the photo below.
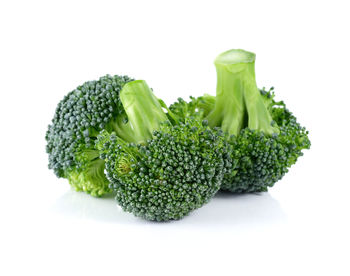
[266,137]
[264,159]
[197,107]
[78,119]
[168,169]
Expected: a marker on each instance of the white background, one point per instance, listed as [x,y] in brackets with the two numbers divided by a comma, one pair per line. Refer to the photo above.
[47,48]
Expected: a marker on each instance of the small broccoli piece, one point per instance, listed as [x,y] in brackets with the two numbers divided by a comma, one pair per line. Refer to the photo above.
[169,168]
[197,107]
[265,159]
[266,137]
[78,119]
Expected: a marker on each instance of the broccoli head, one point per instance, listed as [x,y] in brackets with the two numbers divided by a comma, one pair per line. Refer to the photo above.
[265,136]
[169,168]
[264,159]
[79,117]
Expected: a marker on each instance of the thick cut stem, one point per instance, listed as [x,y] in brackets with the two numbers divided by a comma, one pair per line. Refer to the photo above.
[238,100]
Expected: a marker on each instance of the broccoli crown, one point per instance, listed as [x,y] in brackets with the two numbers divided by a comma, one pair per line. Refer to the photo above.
[71,136]
[262,160]
[265,136]
[171,168]
[175,172]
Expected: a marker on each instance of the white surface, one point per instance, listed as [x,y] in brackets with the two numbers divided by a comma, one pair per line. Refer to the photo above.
[47,48]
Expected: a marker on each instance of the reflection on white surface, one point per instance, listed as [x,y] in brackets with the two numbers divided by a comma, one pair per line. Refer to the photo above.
[225,209]
[240,209]
[83,206]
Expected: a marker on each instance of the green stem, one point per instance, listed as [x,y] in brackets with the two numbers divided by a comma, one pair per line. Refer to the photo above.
[238,100]
[123,129]
[143,109]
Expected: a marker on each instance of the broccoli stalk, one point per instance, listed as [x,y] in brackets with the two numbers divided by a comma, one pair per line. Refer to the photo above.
[143,110]
[120,126]
[238,100]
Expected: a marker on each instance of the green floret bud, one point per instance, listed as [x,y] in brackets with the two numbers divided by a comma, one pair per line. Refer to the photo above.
[79,117]
[196,108]
[177,171]
[172,169]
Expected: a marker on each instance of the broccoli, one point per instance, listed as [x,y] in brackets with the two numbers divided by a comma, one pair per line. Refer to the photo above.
[71,137]
[265,136]
[168,168]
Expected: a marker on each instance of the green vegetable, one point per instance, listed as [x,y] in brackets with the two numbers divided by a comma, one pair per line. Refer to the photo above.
[168,168]
[115,135]
[238,101]
[79,117]
[265,136]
